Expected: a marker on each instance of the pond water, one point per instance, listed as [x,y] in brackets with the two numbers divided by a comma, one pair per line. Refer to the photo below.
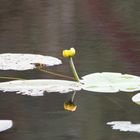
[105,35]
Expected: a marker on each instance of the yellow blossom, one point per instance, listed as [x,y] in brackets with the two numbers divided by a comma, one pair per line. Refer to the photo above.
[69,53]
[72,51]
[66,53]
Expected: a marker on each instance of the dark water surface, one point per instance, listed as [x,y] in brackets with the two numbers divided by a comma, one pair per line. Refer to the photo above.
[106,35]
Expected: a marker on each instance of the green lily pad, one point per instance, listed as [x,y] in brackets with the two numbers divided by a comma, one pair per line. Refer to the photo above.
[37,87]
[5,124]
[136,98]
[18,61]
[125,126]
[110,82]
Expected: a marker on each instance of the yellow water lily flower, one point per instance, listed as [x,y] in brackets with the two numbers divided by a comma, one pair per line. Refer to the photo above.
[72,51]
[70,106]
[69,53]
[66,53]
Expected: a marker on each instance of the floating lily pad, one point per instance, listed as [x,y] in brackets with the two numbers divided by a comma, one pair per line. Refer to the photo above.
[39,86]
[110,82]
[17,61]
[124,126]
[136,98]
[97,82]
[5,124]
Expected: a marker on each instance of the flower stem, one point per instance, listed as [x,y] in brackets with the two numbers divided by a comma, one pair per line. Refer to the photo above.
[76,77]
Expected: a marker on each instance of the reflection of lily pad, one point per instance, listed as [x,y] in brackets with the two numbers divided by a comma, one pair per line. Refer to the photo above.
[38,87]
[110,82]
[5,124]
[136,98]
[17,61]
[124,126]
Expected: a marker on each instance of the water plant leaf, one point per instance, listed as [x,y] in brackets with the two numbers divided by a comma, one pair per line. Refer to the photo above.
[124,126]
[18,61]
[5,124]
[136,98]
[110,82]
[37,87]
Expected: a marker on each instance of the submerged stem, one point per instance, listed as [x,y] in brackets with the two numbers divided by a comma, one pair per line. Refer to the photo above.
[56,74]
[12,78]
[76,77]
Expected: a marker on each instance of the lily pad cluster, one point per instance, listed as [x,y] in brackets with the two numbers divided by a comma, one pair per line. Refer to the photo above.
[105,82]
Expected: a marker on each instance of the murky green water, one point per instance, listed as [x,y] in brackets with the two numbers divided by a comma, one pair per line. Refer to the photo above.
[106,37]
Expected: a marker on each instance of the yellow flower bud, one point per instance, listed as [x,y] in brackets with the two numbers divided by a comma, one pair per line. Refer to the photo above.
[72,52]
[66,53]
[69,53]
[70,106]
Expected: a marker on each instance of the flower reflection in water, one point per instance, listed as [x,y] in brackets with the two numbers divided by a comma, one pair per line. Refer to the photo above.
[70,105]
